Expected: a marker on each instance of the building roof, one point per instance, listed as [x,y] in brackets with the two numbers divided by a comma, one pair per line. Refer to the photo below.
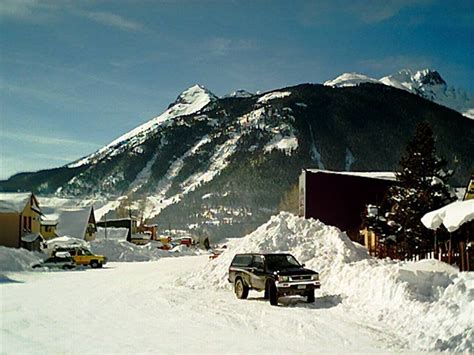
[72,221]
[14,202]
[452,216]
[383,175]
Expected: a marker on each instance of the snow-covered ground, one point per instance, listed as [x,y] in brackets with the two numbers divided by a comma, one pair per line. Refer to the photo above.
[137,308]
[186,305]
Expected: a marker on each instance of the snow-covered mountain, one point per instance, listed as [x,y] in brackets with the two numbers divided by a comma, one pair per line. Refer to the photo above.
[222,166]
[188,102]
[240,93]
[426,83]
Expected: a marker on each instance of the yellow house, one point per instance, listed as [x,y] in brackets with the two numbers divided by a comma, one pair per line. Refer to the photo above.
[20,216]
[48,229]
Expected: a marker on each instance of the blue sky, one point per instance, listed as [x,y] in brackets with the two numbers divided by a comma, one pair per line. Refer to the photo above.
[74,75]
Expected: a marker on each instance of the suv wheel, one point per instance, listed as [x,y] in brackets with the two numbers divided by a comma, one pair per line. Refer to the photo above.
[310,296]
[241,289]
[94,264]
[272,293]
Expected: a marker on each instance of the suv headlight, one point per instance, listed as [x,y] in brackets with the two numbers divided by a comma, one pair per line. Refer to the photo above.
[283,278]
[315,277]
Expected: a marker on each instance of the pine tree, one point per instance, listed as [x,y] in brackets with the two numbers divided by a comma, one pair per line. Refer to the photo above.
[422,187]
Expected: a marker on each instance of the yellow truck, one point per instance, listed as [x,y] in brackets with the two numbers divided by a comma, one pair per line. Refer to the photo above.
[82,256]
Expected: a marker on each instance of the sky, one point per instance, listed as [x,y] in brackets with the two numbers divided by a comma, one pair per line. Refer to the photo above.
[75,75]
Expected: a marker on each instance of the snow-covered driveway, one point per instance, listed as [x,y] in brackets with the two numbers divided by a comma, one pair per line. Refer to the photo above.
[138,307]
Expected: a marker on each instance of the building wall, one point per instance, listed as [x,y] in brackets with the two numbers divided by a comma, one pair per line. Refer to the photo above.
[48,232]
[35,220]
[10,230]
[339,200]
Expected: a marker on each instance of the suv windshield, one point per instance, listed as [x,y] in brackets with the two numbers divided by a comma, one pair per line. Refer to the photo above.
[281,261]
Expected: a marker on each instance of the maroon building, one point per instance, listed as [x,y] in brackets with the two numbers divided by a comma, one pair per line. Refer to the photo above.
[338,198]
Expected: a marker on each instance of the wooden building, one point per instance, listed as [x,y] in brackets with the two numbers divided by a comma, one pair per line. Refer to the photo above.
[130,223]
[19,216]
[339,198]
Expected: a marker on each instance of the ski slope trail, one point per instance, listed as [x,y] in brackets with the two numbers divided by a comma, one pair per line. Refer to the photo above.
[139,308]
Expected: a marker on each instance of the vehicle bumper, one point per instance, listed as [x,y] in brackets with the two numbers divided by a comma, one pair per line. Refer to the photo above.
[297,287]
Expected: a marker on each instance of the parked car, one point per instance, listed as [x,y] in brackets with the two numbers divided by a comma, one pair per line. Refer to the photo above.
[59,261]
[276,274]
[83,256]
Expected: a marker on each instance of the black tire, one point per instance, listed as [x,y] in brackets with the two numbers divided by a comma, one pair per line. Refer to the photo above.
[310,296]
[272,293]
[65,267]
[94,264]
[241,289]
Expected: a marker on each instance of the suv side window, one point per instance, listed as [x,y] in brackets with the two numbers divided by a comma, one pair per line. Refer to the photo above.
[258,262]
[242,260]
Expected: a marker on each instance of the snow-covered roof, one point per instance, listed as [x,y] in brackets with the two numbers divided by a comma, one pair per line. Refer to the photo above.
[383,175]
[13,202]
[72,221]
[452,216]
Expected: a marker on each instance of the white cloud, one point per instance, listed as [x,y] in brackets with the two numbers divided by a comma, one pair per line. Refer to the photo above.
[113,20]
[225,46]
[45,140]
[366,11]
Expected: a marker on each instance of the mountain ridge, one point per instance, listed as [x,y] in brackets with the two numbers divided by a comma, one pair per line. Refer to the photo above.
[426,83]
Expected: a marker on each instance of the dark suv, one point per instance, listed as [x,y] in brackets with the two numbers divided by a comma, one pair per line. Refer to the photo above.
[276,274]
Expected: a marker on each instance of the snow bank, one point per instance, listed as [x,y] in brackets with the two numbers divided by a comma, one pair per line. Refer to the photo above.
[123,251]
[428,303]
[12,259]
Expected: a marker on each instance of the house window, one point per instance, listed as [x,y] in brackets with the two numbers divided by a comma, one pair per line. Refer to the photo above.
[25,223]
[29,224]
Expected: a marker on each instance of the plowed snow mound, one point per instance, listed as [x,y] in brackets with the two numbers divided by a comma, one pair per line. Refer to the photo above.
[428,303]
[309,241]
[123,251]
[12,259]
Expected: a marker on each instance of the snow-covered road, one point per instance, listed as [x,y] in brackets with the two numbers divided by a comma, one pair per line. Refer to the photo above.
[138,307]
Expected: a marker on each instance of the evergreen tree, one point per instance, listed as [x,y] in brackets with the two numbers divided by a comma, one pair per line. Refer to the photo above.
[422,187]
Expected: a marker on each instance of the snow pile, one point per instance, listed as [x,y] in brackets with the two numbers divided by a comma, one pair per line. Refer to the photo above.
[452,216]
[121,250]
[12,259]
[273,95]
[308,240]
[428,304]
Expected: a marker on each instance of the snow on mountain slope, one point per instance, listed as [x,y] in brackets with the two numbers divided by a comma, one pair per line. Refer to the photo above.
[273,95]
[239,94]
[350,79]
[426,83]
[188,102]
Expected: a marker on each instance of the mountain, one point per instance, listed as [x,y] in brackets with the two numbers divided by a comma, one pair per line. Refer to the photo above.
[240,93]
[426,83]
[222,166]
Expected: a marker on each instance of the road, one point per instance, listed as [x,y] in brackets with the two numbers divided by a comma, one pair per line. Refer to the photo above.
[140,307]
